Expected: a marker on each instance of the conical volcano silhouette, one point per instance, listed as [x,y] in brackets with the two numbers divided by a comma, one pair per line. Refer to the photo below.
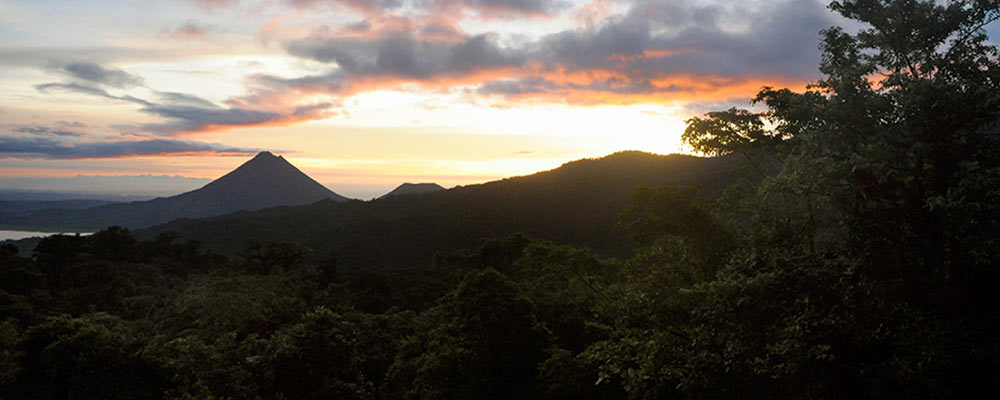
[264,181]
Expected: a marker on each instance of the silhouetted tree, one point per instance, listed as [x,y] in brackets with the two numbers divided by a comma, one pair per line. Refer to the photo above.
[483,342]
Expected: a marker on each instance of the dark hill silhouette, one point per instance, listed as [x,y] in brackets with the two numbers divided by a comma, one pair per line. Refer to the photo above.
[413,188]
[577,204]
[264,181]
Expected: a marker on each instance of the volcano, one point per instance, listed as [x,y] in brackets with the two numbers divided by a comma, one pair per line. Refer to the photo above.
[262,182]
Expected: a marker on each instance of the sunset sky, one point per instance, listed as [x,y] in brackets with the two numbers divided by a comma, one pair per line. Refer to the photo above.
[365,94]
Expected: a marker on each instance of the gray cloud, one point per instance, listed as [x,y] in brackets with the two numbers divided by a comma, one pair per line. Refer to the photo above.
[74,124]
[33,56]
[393,57]
[653,40]
[780,40]
[360,26]
[185,118]
[527,86]
[185,99]
[184,112]
[91,72]
[542,6]
[89,90]
[501,8]
[44,130]
[48,148]
[487,8]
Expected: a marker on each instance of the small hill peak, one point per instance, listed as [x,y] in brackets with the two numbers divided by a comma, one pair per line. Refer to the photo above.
[413,188]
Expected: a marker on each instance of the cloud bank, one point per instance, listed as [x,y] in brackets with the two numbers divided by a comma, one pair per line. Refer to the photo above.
[623,52]
[657,51]
[182,113]
[48,148]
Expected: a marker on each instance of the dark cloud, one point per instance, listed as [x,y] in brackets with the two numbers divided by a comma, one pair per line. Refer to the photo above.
[89,90]
[529,86]
[543,6]
[335,82]
[440,29]
[658,40]
[91,72]
[393,57]
[185,99]
[502,8]
[654,48]
[32,56]
[486,8]
[47,148]
[360,26]
[44,130]
[185,118]
[74,124]
[515,86]
[311,110]
[590,49]
[186,113]
[668,38]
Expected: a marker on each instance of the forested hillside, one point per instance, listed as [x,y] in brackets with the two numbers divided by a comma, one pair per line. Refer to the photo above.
[575,204]
[858,259]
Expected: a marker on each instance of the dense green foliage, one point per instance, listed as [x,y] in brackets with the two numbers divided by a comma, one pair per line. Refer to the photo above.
[858,259]
[109,316]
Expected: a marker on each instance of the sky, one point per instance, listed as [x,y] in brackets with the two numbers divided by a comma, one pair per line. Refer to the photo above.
[363,95]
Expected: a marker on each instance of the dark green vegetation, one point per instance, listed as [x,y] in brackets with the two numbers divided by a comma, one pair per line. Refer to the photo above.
[860,261]
[264,181]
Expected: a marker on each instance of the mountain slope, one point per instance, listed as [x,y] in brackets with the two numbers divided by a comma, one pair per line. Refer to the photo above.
[413,188]
[577,204]
[264,181]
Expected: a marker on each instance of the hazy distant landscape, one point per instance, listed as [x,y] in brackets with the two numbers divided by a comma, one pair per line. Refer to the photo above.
[823,223]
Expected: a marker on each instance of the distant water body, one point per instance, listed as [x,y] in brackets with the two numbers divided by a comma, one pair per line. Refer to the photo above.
[17,235]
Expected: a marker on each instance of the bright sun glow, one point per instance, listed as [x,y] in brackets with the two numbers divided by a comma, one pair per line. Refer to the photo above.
[376,93]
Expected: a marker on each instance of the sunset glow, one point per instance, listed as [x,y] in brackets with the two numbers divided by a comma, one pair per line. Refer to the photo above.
[366,94]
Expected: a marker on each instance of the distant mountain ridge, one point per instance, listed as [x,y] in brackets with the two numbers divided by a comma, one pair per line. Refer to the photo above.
[577,204]
[264,181]
[413,188]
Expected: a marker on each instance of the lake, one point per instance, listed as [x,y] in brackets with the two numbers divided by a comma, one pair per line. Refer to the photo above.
[17,235]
